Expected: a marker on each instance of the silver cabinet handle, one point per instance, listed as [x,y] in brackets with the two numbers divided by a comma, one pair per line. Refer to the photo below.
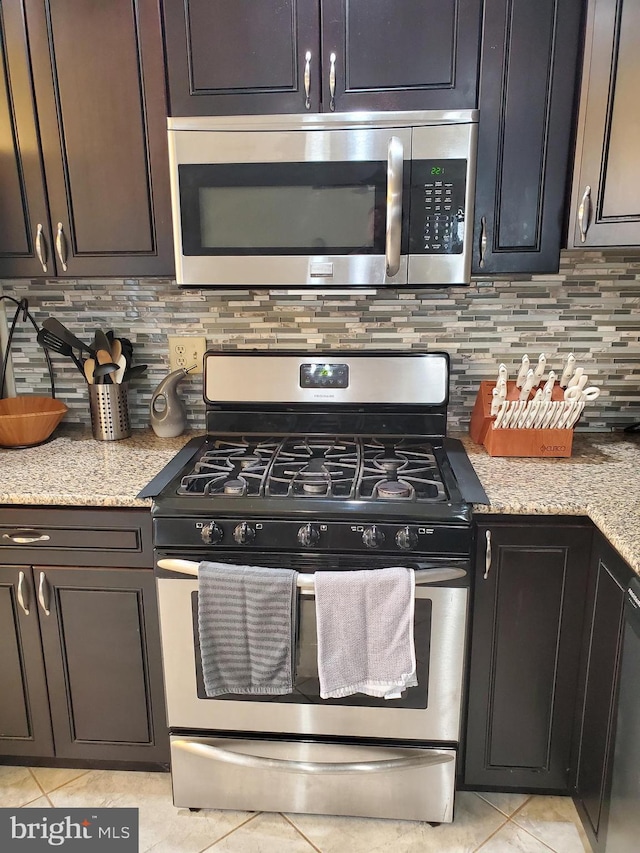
[483,240]
[307,80]
[41,247]
[61,246]
[43,593]
[332,82]
[26,537]
[256,762]
[393,243]
[584,214]
[487,555]
[23,593]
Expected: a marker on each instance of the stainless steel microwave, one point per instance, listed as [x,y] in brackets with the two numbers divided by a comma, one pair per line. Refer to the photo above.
[342,200]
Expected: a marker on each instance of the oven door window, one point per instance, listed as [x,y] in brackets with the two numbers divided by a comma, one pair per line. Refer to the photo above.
[306,683]
[316,208]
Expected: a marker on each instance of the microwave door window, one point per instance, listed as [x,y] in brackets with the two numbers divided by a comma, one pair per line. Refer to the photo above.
[284,209]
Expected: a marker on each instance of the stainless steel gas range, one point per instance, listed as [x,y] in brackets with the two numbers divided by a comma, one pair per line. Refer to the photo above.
[319,462]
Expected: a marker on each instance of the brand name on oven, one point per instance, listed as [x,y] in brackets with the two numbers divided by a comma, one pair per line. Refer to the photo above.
[553,448]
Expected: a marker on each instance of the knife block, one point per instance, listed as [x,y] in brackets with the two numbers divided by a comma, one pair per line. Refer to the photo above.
[516,442]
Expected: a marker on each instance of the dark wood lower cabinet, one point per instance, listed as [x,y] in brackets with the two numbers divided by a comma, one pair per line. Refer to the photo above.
[81,670]
[527,617]
[602,651]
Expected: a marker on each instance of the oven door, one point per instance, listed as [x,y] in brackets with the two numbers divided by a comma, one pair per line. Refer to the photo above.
[290,208]
[428,712]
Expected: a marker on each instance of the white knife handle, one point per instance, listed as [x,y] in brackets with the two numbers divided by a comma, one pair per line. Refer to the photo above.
[540,367]
[524,369]
[568,370]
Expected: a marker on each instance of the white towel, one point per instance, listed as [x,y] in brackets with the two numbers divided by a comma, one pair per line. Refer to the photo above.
[365,632]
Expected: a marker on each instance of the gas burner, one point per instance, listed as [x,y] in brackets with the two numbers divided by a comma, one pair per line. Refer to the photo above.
[235,487]
[390,464]
[393,490]
[248,461]
[315,487]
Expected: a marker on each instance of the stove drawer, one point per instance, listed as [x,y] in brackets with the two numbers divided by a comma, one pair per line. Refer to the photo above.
[313,778]
[87,537]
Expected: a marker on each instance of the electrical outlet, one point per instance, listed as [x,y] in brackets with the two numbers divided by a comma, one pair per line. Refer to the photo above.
[185,351]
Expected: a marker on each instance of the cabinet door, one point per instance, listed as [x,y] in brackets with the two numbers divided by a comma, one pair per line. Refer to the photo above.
[99,87]
[24,216]
[102,653]
[525,649]
[600,662]
[25,727]
[607,174]
[527,80]
[242,57]
[418,54]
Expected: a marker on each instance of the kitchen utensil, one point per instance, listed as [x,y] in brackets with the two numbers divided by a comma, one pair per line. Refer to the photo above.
[531,413]
[134,372]
[527,385]
[102,371]
[109,411]
[50,341]
[495,402]
[539,369]
[577,394]
[89,367]
[28,420]
[118,376]
[547,391]
[500,416]
[503,374]
[101,341]
[579,408]
[116,350]
[568,370]
[168,416]
[55,326]
[540,414]
[575,379]
[522,373]
[103,358]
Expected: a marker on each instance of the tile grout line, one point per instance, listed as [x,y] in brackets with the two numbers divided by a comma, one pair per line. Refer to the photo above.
[35,779]
[498,809]
[539,840]
[64,784]
[495,832]
[300,832]
[231,831]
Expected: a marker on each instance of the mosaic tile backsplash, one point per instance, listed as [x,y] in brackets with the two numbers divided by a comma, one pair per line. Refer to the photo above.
[591,308]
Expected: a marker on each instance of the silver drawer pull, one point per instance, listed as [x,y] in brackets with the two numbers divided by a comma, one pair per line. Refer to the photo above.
[26,537]
[307,80]
[43,593]
[584,214]
[487,555]
[61,246]
[41,247]
[258,762]
[332,82]
[23,593]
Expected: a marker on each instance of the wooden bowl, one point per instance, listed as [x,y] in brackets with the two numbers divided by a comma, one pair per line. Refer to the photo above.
[28,420]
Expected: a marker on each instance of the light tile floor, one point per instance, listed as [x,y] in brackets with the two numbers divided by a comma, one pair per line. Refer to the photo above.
[489,823]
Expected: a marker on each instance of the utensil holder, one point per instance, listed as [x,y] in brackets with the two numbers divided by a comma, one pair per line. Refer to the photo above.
[109,408]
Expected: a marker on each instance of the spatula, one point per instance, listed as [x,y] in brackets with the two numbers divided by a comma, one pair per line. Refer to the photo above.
[51,341]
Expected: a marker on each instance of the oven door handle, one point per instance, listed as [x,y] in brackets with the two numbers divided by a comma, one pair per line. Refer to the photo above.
[393,236]
[258,762]
[306,583]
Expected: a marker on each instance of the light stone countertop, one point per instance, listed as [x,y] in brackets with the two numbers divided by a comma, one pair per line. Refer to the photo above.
[600,480]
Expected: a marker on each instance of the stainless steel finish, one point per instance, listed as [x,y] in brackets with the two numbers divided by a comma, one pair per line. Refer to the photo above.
[306,582]
[395,162]
[43,593]
[61,246]
[109,408]
[584,214]
[418,380]
[487,555]
[340,768]
[336,121]
[319,137]
[307,80]
[23,593]
[41,247]
[21,539]
[332,82]
[222,773]
[483,240]
[440,721]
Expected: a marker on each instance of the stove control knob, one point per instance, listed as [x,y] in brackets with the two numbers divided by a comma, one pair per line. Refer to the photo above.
[244,534]
[406,539]
[212,534]
[308,535]
[373,537]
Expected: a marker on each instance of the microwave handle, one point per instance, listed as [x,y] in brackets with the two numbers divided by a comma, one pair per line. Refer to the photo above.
[395,163]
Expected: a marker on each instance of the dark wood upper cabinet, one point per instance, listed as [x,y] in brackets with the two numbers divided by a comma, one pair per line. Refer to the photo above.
[526,100]
[605,207]
[528,605]
[97,132]
[252,58]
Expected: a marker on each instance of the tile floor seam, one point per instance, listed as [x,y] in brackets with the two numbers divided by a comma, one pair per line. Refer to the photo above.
[498,809]
[231,831]
[495,832]
[68,782]
[33,776]
[300,832]
[539,840]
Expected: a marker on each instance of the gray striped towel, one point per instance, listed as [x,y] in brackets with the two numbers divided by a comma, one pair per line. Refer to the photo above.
[246,619]
[365,632]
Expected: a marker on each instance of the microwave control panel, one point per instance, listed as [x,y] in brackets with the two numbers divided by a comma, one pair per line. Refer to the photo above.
[437,217]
